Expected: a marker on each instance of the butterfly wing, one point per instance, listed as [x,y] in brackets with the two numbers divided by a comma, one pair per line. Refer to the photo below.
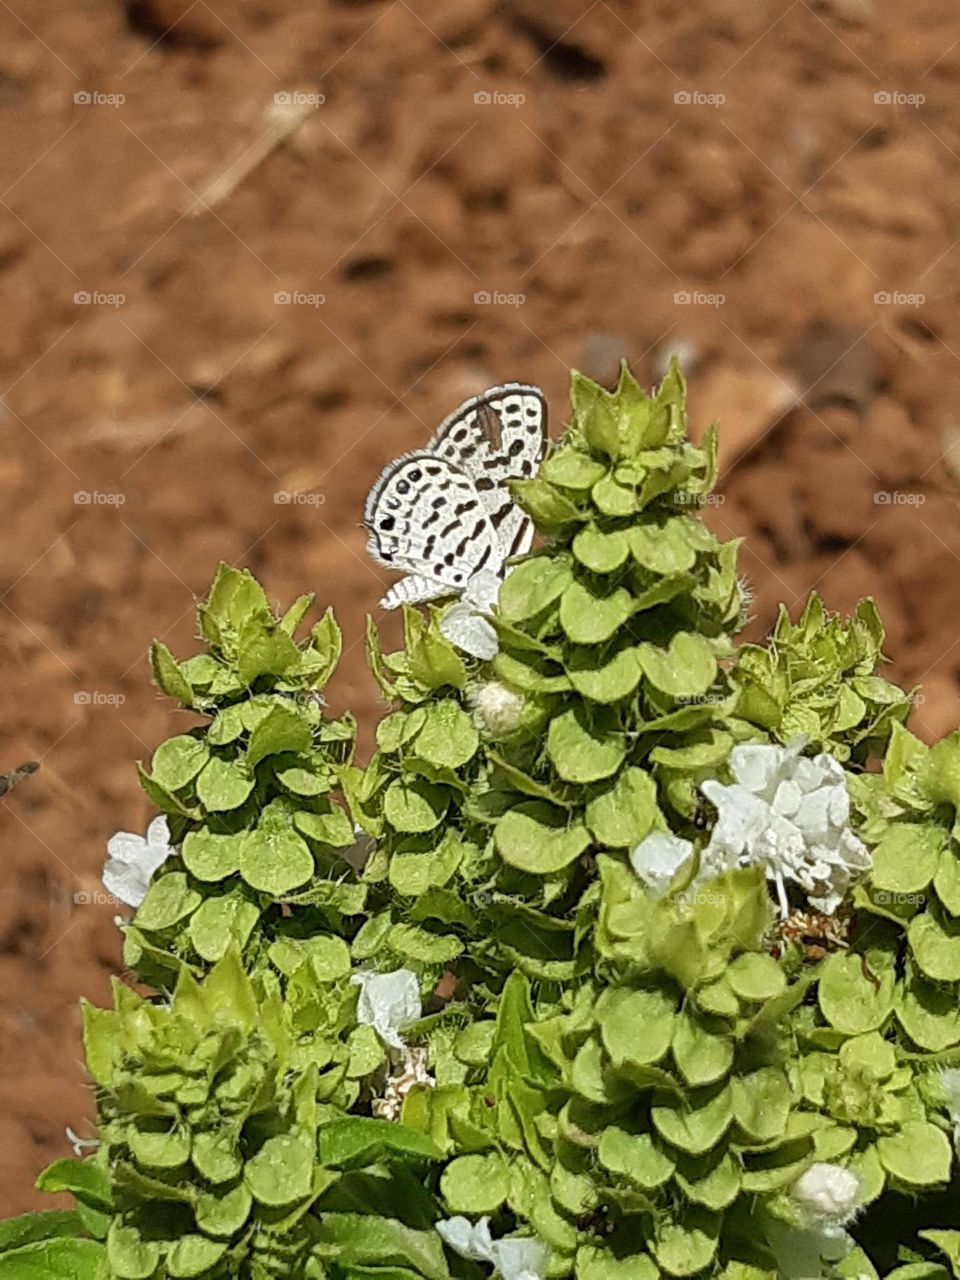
[495,437]
[426,518]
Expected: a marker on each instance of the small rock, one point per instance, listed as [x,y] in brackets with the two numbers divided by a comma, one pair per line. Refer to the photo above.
[178,21]
[835,364]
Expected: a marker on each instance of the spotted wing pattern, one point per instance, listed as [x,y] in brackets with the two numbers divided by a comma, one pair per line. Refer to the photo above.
[444,514]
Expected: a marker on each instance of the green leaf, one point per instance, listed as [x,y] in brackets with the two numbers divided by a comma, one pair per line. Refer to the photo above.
[281,1172]
[601,676]
[219,921]
[449,738]
[592,619]
[275,861]
[935,943]
[850,1001]
[755,977]
[159,1150]
[414,805]
[685,669]
[597,1263]
[549,509]
[535,837]
[694,1124]
[582,751]
[601,552]
[130,1257]
[613,499]
[84,1179]
[687,1244]
[211,857]
[475,1184]
[264,648]
[702,1049]
[326,641]
[906,859]
[532,587]
[192,1255]
[620,817]
[947,880]
[357,1141]
[928,1014]
[178,761]
[947,1242]
[223,785]
[664,549]
[713,1183]
[571,469]
[918,1156]
[28,1228]
[369,1245]
[761,1103]
[634,1156]
[333,828]
[636,1026]
[168,900]
[223,1213]
[279,731]
[168,676]
[59,1260]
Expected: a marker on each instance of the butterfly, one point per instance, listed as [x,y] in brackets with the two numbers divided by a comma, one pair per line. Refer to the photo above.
[445,517]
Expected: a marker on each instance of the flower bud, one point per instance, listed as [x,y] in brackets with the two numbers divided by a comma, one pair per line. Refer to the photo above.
[826,1193]
[497,709]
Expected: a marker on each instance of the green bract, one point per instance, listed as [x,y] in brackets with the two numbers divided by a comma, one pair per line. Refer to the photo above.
[251,794]
[626,1057]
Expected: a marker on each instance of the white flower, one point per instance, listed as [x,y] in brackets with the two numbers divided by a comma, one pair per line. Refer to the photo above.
[466,625]
[520,1258]
[807,1253]
[388,1003]
[497,709]
[512,1258]
[826,1195]
[132,861]
[471,1241]
[790,815]
[658,858]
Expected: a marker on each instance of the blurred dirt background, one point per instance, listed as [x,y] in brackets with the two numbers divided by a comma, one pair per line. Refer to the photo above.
[252,249]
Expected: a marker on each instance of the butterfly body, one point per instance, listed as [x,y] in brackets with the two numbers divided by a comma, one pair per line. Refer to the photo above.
[444,515]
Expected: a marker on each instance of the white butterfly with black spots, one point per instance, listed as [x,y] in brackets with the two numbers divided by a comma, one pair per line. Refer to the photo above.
[445,517]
